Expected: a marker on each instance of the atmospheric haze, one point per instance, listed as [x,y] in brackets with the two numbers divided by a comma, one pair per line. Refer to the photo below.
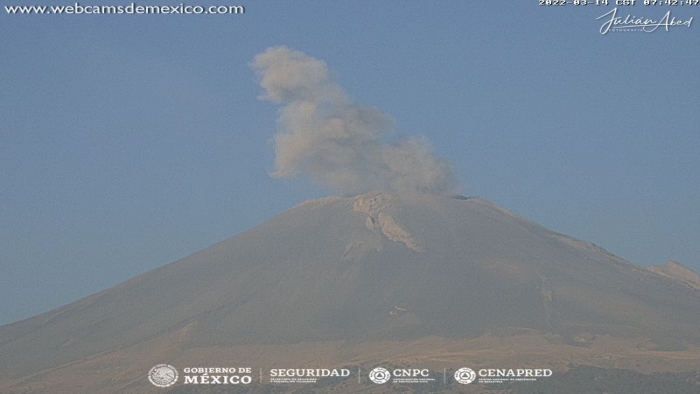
[336,142]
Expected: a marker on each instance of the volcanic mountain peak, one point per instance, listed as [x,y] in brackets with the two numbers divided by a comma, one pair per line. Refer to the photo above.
[362,270]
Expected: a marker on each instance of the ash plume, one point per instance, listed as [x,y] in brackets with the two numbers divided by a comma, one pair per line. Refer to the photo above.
[335,142]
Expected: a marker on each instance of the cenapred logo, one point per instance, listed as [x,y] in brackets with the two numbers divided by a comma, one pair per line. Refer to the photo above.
[163,375]
[379,375]
[465,375]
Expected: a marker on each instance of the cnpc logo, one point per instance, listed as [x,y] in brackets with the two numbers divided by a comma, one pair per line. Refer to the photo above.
[381,375]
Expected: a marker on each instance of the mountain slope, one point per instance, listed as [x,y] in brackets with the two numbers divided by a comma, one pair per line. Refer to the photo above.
[376,267]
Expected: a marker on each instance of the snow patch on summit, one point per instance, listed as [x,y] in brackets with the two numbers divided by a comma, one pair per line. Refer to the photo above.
[371,205]
[378,219]
[318,202]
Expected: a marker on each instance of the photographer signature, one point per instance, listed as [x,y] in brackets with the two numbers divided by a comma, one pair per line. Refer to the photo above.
[616,23]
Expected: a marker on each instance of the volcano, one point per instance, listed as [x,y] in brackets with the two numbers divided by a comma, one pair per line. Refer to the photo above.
[375,277]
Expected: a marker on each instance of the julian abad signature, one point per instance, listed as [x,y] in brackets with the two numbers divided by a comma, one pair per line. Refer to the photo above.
[645,24]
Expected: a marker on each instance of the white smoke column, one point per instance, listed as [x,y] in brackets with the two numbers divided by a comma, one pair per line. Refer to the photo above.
[335,142]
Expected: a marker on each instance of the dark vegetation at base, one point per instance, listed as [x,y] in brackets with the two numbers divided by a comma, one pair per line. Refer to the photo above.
[592,380]
[578,380]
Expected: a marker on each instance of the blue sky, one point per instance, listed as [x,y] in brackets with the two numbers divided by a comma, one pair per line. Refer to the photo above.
[128,142]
